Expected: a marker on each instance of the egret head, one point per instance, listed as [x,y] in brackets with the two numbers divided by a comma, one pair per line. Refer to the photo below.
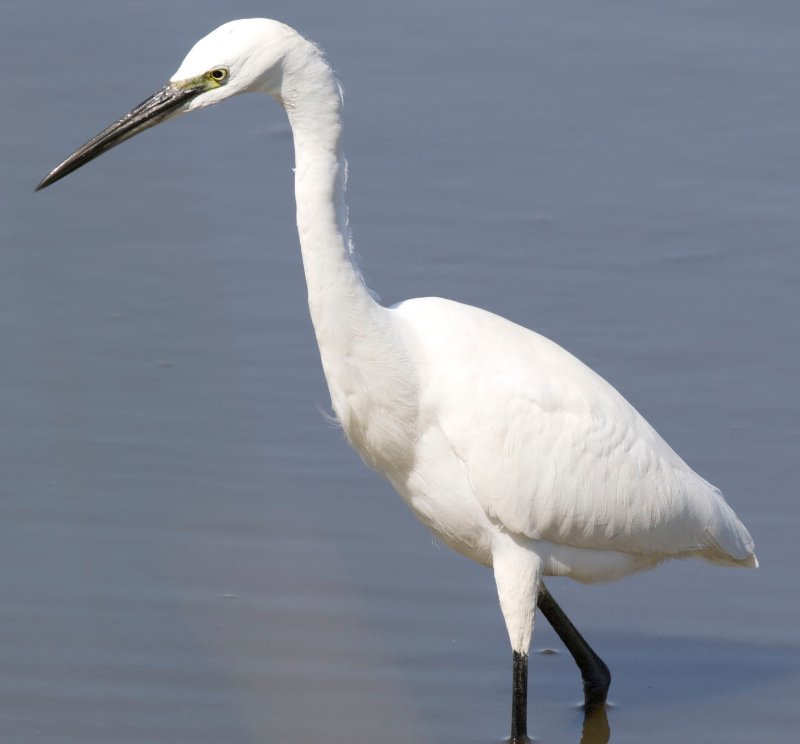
[238,57]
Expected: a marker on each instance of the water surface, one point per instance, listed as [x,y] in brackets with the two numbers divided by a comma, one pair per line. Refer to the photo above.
[190,552]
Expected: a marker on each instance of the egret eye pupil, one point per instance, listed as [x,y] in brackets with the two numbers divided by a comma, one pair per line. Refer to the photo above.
[219,75]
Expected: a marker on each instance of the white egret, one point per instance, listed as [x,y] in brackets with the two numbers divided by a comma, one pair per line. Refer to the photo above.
[509,449]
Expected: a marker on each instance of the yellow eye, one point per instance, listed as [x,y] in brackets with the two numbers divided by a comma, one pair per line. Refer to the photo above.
[218,75]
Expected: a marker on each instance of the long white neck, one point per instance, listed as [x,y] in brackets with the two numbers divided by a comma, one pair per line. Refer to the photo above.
[362,355]
[313,104]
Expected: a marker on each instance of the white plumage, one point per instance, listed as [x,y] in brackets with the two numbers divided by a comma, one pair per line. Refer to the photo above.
[507,447]
[551,452]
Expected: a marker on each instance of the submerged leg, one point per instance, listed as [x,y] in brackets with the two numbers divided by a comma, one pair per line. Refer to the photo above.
[596,677]
[519,700]
[595,726]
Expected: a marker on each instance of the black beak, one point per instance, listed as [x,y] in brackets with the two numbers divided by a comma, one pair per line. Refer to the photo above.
[162,105]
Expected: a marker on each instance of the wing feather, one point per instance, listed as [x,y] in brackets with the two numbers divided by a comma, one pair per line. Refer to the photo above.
[552,451]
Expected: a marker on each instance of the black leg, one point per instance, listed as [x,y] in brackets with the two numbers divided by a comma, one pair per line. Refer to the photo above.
[596,677]
[519,700]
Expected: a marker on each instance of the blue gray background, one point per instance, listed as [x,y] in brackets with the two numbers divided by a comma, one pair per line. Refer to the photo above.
[190,553]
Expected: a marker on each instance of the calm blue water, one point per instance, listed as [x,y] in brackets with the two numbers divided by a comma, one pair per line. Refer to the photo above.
[191,554]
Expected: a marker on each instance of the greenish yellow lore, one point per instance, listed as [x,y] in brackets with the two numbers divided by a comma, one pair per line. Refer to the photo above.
[207,81]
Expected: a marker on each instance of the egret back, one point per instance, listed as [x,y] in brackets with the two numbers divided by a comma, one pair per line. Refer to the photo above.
[551,450]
